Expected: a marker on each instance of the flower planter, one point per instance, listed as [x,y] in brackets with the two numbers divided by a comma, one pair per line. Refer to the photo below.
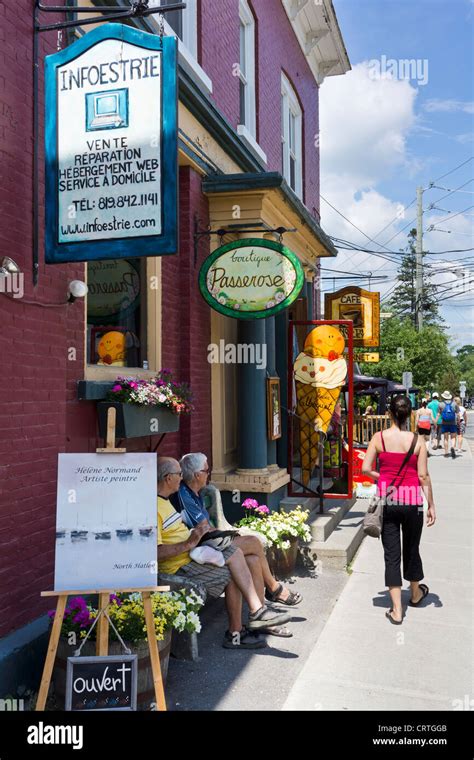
[145,689]
[283,561]
[134,421]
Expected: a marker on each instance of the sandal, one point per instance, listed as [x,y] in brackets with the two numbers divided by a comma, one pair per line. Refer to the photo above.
[293,597]
[277,630]
[425,591]
[392,620]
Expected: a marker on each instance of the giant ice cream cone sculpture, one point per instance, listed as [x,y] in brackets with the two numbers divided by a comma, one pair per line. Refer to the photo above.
[320,371]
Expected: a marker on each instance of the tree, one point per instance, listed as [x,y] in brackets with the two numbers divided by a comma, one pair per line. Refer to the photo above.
[426,353]
[403,300]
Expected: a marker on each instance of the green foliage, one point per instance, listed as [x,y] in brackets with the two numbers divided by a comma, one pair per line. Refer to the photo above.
[403,349]
[402,302]
[465,365]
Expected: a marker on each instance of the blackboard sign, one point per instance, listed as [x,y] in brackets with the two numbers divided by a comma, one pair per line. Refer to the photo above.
[102,683]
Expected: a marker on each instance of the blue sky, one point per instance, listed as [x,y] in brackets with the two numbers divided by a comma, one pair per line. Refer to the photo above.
[381,136]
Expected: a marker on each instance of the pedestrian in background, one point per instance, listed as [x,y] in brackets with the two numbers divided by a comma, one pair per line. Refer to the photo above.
[403,508]
[461,423]
[436,429]
[423,421]
[449,411]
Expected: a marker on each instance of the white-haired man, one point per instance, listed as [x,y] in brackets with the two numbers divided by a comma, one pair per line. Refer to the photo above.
[175,541]
[195,471]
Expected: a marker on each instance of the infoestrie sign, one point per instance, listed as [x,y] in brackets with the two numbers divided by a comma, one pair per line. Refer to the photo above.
[111,146]
[251,279]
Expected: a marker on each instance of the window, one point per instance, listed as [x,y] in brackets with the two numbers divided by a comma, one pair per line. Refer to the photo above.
[291,137]
[183,23]
[247,69]
[117,313]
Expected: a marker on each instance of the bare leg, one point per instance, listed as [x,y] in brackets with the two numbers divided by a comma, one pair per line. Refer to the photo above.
[255,568]
[233,603]
[250,545]
[243,579]
[460,439]
[446,443]
[416,594]
[396,597]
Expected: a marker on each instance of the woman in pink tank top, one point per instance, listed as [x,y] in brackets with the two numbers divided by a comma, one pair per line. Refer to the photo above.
[403,493]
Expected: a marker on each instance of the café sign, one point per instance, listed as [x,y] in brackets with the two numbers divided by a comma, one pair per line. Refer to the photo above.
[111,146]
[251,279]
[362,307]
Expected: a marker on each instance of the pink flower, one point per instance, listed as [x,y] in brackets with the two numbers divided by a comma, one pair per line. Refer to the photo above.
[117,388]
[133,384]
[250,504]
[263,509]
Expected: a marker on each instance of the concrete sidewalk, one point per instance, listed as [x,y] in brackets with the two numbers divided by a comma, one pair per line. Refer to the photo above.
[361,661]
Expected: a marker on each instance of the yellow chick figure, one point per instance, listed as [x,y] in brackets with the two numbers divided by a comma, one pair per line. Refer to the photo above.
[325,340]
[111,349]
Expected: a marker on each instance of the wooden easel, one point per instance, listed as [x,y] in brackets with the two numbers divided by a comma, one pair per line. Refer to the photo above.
[102,642]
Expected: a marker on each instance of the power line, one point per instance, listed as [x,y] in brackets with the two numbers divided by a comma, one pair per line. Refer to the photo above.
[453,170]
[439,221]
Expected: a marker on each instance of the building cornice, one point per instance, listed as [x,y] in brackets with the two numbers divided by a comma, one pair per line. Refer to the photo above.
[318,33]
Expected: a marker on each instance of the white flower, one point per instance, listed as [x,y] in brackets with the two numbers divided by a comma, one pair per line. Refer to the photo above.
[270,304]
[194,620]
[221,299]
[279,297]
[180,622]
[236,305]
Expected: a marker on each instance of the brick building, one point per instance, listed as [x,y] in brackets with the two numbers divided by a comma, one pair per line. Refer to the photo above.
[249,77]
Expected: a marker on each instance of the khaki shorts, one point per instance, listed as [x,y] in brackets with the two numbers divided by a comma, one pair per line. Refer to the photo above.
[214,578]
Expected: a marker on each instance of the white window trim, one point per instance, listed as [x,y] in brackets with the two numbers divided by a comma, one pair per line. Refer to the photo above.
[187,47]
[290,103]
[251,143]
[246,17]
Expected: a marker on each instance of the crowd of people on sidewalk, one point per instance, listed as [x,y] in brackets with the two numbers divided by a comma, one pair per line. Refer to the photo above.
[447,418]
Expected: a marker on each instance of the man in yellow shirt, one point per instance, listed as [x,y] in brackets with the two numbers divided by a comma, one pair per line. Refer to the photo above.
[175,541]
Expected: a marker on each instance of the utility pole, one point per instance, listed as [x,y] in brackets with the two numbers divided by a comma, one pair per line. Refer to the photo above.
[419,260]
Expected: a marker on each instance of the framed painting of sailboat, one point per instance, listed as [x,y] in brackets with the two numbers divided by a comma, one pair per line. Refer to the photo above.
[106,521]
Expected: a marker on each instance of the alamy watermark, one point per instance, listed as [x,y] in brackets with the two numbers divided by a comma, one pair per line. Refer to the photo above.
[415,69]
[12,282]
[237,353]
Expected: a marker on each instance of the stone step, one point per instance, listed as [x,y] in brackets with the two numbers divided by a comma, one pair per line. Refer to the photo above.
[339,548]
[322,525]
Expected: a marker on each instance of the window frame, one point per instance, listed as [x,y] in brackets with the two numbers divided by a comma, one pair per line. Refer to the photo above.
[290,105]
[247,77]
[153,331]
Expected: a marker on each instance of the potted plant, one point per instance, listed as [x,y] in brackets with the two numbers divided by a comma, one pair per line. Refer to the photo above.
[282,531]
[172,611]
[146,407]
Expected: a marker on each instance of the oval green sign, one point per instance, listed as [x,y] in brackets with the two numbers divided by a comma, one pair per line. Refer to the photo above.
[251,279]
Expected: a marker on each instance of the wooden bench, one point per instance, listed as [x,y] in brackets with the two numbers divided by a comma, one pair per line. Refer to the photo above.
[184,645]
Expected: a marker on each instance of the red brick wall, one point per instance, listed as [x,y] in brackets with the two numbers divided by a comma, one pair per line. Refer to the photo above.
[36,378]
[277,50]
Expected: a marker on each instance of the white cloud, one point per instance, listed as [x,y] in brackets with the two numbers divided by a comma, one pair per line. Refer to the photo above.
[448,106]
[466,137]
[364,123]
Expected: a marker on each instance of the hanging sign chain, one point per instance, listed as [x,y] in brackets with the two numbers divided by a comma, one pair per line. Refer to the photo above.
[103,611]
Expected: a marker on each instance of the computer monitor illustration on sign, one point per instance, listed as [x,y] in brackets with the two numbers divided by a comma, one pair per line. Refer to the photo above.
[107,109]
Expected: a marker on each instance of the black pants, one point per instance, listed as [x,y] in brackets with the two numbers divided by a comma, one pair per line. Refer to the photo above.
[409,518]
